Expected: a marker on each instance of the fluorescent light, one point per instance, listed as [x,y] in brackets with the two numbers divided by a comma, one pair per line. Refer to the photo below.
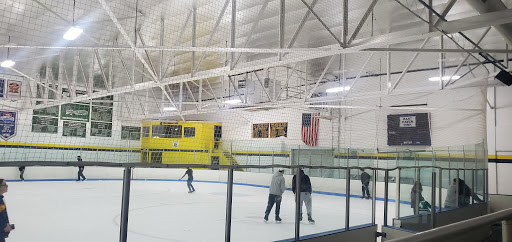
[72,33]
[233,101]
[445,78]
[337,89]
[170,109]
[7,63]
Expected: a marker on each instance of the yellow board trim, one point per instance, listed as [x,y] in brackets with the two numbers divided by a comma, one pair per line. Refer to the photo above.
[65,146]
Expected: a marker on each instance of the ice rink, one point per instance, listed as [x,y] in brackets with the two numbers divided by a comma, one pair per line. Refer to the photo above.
[163,210]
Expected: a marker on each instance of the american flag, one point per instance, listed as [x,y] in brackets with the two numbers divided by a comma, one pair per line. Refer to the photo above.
[310,123]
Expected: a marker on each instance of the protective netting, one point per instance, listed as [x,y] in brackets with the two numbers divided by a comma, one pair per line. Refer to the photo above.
[238,82]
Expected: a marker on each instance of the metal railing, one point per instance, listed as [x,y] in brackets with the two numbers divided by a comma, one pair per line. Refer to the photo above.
[440,233]
[129,166]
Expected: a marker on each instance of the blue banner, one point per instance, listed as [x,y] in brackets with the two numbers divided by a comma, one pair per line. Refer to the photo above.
[2,87]
[7,124]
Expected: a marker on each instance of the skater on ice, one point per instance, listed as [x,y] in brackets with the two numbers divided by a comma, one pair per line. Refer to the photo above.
[365,184]
[305,194]
[189,172]
[275,195]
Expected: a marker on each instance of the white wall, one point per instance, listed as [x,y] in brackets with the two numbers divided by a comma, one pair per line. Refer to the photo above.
[237,126]
[457,118]
[499,137]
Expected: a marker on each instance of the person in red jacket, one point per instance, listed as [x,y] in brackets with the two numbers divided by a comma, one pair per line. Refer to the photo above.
[5,227]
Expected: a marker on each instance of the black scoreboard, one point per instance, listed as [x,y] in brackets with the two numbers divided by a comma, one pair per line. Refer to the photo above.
[409,129]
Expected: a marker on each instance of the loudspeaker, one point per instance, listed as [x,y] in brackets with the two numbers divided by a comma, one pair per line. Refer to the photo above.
[505,77]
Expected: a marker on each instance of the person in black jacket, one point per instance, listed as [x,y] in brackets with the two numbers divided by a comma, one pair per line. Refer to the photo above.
[305,193]
[465,194]
[5,227]
[80,170]
[22,171]
[365,182]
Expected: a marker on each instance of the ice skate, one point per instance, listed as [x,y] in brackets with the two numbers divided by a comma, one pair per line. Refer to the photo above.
[278,220]
[310,220]
[265,219]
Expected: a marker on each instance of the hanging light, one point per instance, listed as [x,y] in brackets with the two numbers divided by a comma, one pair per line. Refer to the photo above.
[445,78]
[170,109]
[7,63]
[337,89]
[234,101]
[74,31]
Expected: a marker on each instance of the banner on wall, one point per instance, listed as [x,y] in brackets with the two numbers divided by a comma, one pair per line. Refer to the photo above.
[2,87]
[14,89]
[7,124]
[74,111]
[278,130]
[260,130]
[409,129]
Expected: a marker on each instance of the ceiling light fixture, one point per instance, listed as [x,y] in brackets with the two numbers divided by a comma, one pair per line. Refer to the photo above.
[234,101]
[7,63]
[170,109]
[445,78]
[74,31]
[337,89]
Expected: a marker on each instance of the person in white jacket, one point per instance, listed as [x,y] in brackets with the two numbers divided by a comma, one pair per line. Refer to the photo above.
[275,195]
[451,195]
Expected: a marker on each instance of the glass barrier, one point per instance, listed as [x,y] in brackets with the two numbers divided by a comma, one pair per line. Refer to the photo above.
[360,209]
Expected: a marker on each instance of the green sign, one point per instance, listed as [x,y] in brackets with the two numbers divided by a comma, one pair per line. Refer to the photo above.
[109,102]
[101,129]
[65,92]
[130,133]
[74,111]
[45,124]
[103,114]
[49,111]
[74,129]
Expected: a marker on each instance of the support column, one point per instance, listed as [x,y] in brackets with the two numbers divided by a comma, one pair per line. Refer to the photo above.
[441,189]
[229,205]
[298,205]
[433,207]
[347,199]
[281,26]
[125,205]
[233,32]
[374,194]
[506,230]
[397,203]
[386,198]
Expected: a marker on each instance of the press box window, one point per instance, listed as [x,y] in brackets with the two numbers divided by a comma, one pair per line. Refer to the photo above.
[189,132]
[145,131]
[167,131]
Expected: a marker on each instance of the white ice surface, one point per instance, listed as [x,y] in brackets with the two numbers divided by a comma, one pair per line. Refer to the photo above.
[64,211]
